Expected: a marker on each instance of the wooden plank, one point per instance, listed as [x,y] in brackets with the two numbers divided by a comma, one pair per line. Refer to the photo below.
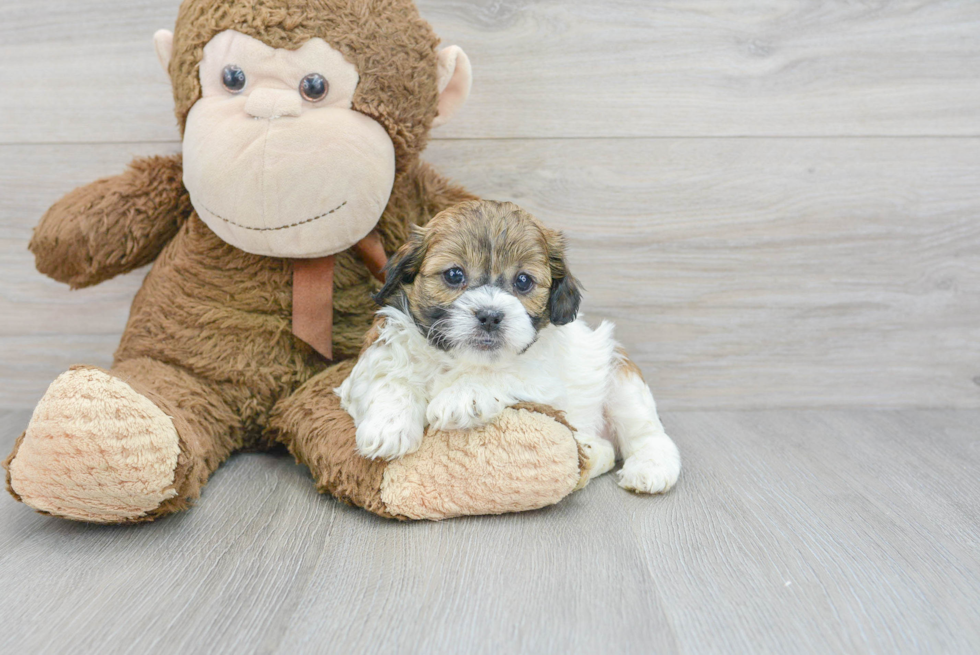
[790,531]
[741,272]
[84,70]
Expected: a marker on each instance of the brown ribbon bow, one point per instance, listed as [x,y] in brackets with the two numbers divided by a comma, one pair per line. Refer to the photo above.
[313,292]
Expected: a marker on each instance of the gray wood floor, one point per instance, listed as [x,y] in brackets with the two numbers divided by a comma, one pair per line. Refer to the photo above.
[790,532]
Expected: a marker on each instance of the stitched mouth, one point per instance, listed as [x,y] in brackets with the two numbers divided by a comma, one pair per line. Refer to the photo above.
[281,227]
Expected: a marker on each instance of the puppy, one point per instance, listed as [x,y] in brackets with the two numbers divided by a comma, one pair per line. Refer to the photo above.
[480,314]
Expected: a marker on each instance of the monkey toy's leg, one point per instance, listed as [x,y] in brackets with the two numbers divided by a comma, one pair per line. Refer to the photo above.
[120,446]
[525,460]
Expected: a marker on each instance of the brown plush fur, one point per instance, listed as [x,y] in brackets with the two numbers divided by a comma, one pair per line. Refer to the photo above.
[113,225]
[209,337]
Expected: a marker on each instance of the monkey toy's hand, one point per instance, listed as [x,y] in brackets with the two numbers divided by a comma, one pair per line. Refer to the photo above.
[466,405]
[114,225]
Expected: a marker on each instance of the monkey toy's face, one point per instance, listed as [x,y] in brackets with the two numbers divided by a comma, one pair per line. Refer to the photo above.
[284,155]
[276,161]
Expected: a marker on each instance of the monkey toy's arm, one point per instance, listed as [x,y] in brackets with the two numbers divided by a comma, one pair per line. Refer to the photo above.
[113,225]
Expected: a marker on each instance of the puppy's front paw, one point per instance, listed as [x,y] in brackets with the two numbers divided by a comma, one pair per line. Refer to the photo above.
[651,471]
[389,434]
[463,407]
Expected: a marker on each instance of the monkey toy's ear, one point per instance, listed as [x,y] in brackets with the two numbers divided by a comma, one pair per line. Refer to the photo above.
[566,294]
[402,268]
[455,80]
[163,41]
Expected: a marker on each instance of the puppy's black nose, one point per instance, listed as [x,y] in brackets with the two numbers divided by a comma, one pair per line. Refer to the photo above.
[490,319]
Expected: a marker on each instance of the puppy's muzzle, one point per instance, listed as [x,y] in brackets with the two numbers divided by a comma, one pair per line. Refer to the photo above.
[489,319]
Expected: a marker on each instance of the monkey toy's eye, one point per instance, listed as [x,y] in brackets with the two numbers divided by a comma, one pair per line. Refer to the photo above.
[314,87]
[523,282]
[454,277]
[233,78]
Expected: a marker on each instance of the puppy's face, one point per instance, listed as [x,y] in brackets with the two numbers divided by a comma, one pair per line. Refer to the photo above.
[482,279]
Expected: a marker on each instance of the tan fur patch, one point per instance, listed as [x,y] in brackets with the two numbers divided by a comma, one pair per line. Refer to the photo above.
[625,365]
[372,335]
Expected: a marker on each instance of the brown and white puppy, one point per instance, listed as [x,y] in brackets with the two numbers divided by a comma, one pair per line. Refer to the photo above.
[480,313]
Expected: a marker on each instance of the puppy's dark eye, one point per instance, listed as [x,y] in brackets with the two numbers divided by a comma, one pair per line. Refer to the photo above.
[523,282]
[314,87]
[233,78]
[454,277]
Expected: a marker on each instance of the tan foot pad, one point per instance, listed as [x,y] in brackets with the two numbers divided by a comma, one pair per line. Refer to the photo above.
[96,450]
[524,460]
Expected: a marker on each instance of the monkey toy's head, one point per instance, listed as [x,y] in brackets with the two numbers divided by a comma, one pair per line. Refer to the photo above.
[297,115]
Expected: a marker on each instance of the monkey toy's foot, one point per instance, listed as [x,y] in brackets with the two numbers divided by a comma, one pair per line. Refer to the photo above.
[526,459]
[95,450]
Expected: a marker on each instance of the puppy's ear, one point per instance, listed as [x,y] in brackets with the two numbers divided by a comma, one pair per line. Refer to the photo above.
[566,294]
[402,268]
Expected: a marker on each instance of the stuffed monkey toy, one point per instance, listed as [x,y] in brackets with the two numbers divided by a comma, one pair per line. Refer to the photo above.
[302,125]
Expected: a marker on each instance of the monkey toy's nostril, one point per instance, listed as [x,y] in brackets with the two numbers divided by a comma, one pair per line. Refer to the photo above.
[490,319]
